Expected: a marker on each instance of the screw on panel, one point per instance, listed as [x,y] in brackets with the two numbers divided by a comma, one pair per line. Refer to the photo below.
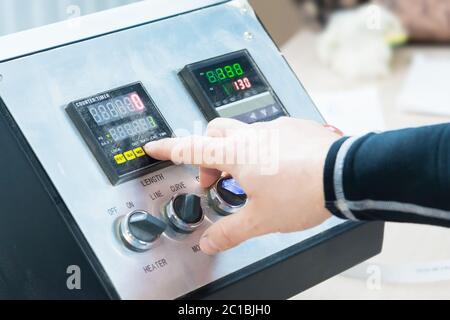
[1,77]
[248,35]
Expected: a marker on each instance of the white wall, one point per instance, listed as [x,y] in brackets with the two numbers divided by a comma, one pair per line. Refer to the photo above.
[17,15]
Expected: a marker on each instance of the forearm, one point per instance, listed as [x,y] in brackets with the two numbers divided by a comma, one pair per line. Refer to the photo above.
[401,176]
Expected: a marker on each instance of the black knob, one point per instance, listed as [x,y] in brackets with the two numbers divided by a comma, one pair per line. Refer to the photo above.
[140,230]
[184,212]
[227,197]
[188,208]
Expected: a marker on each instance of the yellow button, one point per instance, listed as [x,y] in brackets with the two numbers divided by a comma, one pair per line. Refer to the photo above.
[129,155]
[139,152]
[120,159]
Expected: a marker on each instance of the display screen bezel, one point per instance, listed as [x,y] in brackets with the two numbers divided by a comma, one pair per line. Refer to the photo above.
[189,77]
[88,128]
[258,82]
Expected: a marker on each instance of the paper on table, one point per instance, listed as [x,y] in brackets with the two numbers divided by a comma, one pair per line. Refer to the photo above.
[427,86]
[355,112]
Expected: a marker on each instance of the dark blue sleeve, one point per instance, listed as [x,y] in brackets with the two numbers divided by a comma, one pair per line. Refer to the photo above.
[400,176]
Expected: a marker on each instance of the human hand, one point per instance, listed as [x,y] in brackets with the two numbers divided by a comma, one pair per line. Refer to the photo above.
[284,182]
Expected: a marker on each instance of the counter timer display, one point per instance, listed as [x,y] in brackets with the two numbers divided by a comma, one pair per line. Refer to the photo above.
[116,125]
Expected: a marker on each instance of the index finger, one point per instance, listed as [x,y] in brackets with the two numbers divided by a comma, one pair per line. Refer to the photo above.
[206,152]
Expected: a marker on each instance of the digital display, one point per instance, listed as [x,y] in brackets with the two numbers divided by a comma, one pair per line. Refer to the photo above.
[230,81]
[225,73]
[231,77]
[232,86]
[133,128]
[118,108]
[116,125]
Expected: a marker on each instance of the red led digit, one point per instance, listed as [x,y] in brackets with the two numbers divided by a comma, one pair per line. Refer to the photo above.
[137,102]
[247,83]
[242,84]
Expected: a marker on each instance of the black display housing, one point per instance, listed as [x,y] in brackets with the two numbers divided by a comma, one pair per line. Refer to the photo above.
[255,101]
[123,159]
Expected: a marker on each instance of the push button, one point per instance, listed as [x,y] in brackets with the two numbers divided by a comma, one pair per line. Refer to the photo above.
[139,152]
[130,155]
[120,159]
[140,230]
[184,213]
[227,197]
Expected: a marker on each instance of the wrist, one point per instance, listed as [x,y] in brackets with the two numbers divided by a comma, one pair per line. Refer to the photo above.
[326,148]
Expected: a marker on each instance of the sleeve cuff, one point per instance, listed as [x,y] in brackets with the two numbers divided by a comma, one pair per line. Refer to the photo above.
[329,172]
[330,164]
[334,175]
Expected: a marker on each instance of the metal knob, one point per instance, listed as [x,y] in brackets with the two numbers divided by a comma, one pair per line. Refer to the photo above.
[140,230]
[184,213]
[227,197]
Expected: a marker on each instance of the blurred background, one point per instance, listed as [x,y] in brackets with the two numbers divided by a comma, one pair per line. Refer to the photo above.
[368,65]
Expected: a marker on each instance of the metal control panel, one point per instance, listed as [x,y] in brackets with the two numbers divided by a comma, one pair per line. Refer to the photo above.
[92,102]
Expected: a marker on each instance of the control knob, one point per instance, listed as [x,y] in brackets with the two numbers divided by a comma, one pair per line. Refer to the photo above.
[140,230]
[184,213]
[227,197]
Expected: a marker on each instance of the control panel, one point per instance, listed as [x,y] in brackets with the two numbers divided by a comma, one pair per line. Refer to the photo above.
[232,86]
[170,76]
[116,125]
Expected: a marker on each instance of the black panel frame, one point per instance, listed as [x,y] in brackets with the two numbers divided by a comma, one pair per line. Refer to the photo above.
[300,267]
[39,236]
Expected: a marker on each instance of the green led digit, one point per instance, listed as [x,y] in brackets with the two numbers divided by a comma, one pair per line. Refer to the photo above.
[211,77]
[230,72]
[238,69]
[220,74]
[152,122]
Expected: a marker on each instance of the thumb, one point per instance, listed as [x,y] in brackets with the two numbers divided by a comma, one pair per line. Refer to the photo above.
[228,233]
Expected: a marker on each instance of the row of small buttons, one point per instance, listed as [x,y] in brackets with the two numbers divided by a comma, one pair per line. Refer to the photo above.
[129,155]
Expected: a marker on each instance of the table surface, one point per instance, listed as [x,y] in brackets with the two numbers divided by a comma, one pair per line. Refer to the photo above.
[404,243]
